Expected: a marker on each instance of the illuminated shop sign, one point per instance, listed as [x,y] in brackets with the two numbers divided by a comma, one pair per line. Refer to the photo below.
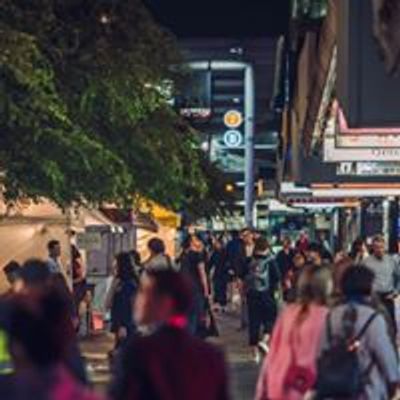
[368,169]
[233,119]
[333,153]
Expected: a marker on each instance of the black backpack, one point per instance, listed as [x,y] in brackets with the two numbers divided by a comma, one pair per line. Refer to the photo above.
[339,372]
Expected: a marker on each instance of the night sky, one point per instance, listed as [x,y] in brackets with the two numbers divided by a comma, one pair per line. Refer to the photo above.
[223,18]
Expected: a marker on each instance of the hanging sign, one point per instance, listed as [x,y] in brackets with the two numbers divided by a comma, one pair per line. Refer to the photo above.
[233,138]
[233,119]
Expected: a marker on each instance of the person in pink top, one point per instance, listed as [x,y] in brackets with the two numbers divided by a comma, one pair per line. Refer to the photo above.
[289,371]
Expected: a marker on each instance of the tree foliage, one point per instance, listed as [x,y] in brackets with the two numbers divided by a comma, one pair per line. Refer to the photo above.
[84,111]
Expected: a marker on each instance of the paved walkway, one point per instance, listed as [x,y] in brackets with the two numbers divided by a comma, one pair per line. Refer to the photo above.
[243,371]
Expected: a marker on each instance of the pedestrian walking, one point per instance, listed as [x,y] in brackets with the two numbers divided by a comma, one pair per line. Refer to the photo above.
[290,282]
[54,261]
[81,292]
[260,284]
[193,265]
[241,265]
[158,260]
[137,264]
[218,267]
[303,242]
[317,255]
[168,363]
[358,252]
[357,359]
[339,269]
[120,300]
[290,369]
[323,241]
[387,275]
[284,258]
[233,248]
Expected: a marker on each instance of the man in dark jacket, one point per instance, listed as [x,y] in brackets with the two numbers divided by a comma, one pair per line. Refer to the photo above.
[167,363]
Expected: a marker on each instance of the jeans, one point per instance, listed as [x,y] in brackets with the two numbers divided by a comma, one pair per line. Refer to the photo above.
[262,310]
[389,305]
[220,289]
[196,312]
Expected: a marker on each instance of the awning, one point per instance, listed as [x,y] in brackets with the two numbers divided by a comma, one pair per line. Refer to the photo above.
[129,218]
[160,214]
[165,217]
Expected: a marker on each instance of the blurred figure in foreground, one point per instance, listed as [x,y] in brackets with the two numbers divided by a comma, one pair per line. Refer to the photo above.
[290,369]
[38,279]
[358,358]
[168,363]
[39,338]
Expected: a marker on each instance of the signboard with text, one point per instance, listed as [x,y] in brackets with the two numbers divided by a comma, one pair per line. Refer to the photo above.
[89,241]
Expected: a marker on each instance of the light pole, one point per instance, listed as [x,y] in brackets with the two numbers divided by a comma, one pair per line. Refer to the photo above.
[249,146]
[249,108]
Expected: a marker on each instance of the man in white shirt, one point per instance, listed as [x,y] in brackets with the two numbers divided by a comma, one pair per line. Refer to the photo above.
[387,274]
[53,262]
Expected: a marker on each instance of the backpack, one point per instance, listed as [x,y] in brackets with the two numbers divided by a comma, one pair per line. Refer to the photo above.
[258,277]
[339,371]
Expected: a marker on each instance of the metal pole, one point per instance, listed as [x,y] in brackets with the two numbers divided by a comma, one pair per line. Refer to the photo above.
[249,146]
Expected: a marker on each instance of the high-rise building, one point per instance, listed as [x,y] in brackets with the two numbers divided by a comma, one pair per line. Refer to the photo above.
[217,101]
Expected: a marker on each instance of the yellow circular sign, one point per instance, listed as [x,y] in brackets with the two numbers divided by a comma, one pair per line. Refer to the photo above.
[233,119]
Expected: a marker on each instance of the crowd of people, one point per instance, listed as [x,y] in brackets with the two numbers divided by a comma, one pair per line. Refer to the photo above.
[322,325]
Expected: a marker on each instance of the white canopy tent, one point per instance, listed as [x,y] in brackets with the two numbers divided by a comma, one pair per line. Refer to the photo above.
[27,227]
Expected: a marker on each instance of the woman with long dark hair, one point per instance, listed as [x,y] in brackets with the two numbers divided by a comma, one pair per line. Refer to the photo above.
[193,264]
[121,297]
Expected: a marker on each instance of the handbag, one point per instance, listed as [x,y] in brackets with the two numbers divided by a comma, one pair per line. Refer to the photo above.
[298,378]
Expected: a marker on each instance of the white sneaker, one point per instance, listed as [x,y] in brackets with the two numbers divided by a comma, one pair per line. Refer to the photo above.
[257,357]
[263,347]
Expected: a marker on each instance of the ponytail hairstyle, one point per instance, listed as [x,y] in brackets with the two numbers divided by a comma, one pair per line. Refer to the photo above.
[314,287]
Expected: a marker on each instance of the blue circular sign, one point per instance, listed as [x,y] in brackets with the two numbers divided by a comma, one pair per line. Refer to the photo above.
[233,138]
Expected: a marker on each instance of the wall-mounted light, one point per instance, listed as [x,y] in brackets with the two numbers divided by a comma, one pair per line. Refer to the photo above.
[105,19]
